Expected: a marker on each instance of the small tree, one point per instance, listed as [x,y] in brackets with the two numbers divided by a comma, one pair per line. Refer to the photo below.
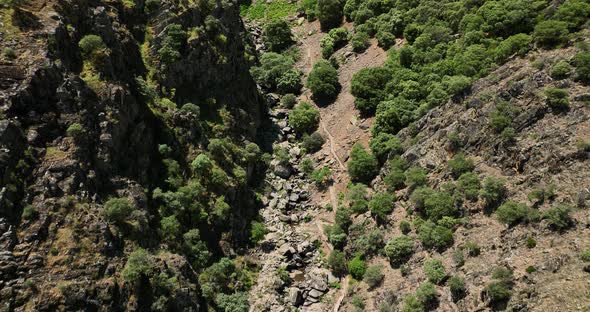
[435,236]
[139,263]
[357,268]
[559,218]
[415,177]
[362,166]
[582,64]
[257,231]
[561,70]
[304,118]
[75,130]
[313,143]
[457,286]
[460,164]
[360,41]
[373,276]
[337,262]
[381,205]
[117,210]
[329,13]
[435,271]
[384,145]
[469,185]
[170,227]
[277,35]
[557,99]
[550,33]
[493,192]
[512,213]
[323,81]
[399,249]
[91,44]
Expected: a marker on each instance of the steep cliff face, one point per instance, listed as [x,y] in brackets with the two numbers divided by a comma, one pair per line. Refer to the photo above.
[79,128]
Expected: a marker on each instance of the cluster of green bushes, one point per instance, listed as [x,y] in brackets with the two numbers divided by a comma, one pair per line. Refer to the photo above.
[334,40]
[323,82]
[276,73]
[437,65]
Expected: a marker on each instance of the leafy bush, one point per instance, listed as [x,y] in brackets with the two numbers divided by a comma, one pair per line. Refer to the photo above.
[170,227]
[415,177]
[394,179]
[517,44]
[202,165]
[151,6]
[367,244]
[493,191]
[373,276]
[9,53]
[277,35]
[426,294]
[342,217]
[435,236]
[360,41]
[337,262]
[139,263]
[385,39]
[195,249]
[419,196]
[339,35]
[117,210]
[582,64]
[307,165]
[405,227]
[91,44]
[362,166]
[169,51]
[257,231]
[323,81]
[357,268]
[236,302]
[512,213]
[368,86]
[75,130]
[574,12]
[460,165]
[561,70]
[435,271]
[550,33]
[313,143]
[559,218]
[384,145]
[500,288]
[304,118]
[329,13]
[216,278]
[310,8]
[29,213]
[472,248]
[557,99]
[327,44]
[440,204]
[381,205]
[357,197]
[531,242]
[457,287]
[289,82]
[469,185]
[272,67]
[322,176]
[585,255]
[288,100]
[399,249]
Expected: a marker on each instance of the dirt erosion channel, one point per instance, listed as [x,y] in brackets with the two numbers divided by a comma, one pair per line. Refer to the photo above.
[313,286]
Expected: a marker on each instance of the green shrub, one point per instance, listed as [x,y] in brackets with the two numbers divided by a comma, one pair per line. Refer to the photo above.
[512,213]
[329,13]
[501,117]
[385,39]
[357,197]
[419,196]
[439,205]
[472,248]
[307,165]
[557,99]
[9,53]
[561,70]
[367,244]
[91,44]
[558,217]
[272,67]
[312,143]
[170,227]
[323,81]
[435,271]
[518,44]
[426,294]
[399,249]
[360,41]
[277,35]
[458,257]
[337,262]
[585,255]
[550,33]
[327,45]
[395,178]
[342,217]
[217,278]
[531,242]
[139,263]
[340,36]
[435,236]
[412,304]
[500,288]
[117,210]
[257,231]
[374,276]
[357,268]
[310,8]
[582,64]
[358,303]
[304,118]
[493,192]
[381,205]
[460,165]
[202,165]
[289,82]
[322,176]
[29,213]
[469,185]
[385,145]
[173,41]
[151,6]
[236,302]
[362,166]
[75,130]
[196,250]
[457,287]
[415,177]
[288,100]
[405,227]
[368,86]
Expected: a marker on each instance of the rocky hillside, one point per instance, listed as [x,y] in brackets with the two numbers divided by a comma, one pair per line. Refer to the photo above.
[105,106]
